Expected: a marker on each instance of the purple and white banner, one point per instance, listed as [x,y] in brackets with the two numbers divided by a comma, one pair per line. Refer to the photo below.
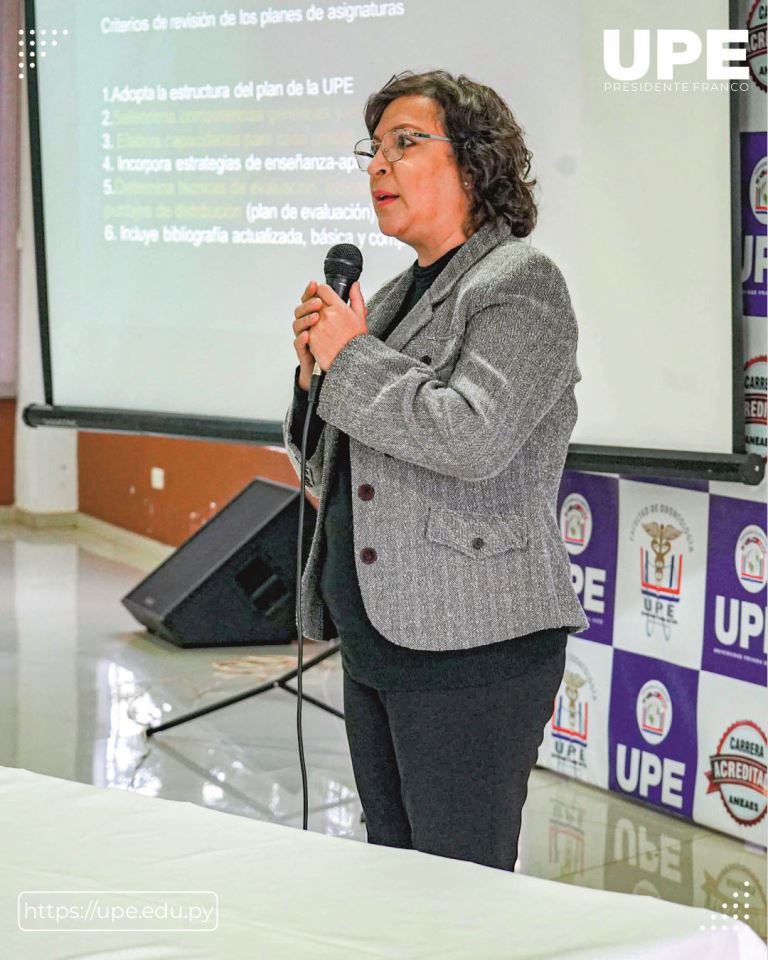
[661,571]
[588,510]
[652,745]
[736,591]
[754,223]
[730,792]
[576,738]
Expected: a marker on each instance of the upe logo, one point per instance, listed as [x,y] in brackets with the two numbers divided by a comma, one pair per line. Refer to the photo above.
[676,48]
[576,523]
[739,621]
[750,559]
[654,711]
[570,721]
[570,717]
[657,779]
[738,771]
[661,577]
[758,194]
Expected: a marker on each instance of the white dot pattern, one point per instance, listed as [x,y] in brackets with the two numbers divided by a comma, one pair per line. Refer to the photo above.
[30,43]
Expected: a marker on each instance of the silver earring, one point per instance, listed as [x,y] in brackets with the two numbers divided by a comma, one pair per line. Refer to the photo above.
[466,183]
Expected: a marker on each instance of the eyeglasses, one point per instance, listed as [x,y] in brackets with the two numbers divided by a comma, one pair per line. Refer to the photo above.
[393,145]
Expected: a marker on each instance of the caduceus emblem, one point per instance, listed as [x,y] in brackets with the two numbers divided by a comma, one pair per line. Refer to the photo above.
[662,535]
[573,683]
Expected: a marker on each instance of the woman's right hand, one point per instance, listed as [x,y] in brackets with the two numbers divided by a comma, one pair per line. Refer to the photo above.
[306,317]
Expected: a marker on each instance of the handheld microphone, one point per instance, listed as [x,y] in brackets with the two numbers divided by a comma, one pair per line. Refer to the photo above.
[343,266]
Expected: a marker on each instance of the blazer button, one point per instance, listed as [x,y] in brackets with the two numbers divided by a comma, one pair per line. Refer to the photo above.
[365,491]
[368,554]
[426,358]
[478,542]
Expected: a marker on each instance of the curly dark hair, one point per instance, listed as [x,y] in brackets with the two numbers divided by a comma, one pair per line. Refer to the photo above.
[487,143]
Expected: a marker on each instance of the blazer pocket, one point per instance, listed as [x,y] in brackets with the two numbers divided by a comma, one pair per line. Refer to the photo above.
[477,536]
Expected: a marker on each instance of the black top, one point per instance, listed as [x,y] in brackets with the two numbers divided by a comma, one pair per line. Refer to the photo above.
[367,655]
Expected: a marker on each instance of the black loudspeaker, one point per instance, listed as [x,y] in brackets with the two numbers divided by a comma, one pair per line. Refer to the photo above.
[233,582]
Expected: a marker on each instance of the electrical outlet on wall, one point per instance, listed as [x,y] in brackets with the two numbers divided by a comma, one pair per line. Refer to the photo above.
[157,478]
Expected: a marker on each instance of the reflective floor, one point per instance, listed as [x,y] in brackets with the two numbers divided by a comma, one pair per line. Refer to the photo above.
[80,681]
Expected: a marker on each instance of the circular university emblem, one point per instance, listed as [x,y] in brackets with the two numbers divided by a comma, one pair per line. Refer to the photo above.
[737,770]
[751,558]
[576,523]
[654,711]
[758,191]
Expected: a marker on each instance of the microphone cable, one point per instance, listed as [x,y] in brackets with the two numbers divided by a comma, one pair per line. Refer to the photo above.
[299,555]
[343,266]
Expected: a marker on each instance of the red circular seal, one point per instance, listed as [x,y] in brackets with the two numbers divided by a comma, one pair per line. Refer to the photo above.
[738,772]
[756,43]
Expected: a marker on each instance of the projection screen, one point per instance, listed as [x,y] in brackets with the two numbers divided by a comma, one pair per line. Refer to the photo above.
[196,165]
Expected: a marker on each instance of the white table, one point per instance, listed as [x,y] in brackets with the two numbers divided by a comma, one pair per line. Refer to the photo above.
[284,894]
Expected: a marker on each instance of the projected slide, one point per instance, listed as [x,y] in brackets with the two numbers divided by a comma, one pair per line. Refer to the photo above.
[197,165]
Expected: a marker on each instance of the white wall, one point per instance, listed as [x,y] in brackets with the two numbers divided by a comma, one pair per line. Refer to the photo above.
[46,459]
[10,18]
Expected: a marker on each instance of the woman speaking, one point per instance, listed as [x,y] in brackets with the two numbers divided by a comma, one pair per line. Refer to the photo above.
[441,433]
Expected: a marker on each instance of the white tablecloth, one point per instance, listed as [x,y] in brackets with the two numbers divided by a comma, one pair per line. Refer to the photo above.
[284,894]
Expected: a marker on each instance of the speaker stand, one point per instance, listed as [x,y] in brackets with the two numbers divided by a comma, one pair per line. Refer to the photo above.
[281,681]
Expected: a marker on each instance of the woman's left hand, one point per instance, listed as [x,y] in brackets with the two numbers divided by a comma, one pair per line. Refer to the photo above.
[337,323]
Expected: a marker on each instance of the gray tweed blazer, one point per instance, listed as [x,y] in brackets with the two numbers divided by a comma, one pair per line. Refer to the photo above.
[458,426]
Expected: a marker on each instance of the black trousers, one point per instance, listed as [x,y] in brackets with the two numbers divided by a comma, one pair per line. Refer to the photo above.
[446,771]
